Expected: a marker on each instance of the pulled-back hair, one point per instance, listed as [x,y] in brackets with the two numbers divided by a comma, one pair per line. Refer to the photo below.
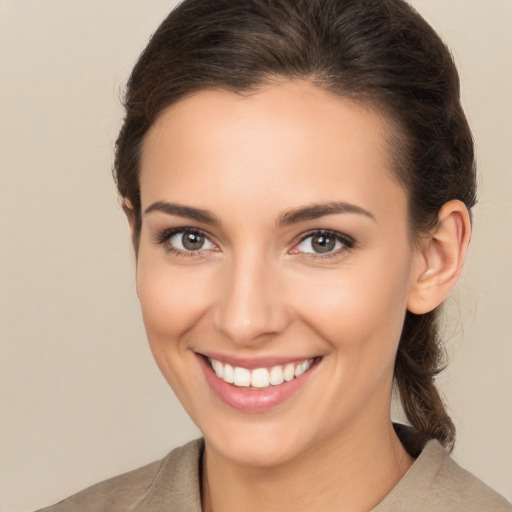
[380,53]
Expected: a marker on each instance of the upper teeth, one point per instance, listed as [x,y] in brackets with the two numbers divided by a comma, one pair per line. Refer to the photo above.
[259,377]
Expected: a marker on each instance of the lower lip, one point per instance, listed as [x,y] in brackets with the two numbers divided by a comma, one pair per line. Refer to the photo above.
[252,400]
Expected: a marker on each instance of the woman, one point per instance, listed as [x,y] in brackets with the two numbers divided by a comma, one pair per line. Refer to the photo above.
[297,176]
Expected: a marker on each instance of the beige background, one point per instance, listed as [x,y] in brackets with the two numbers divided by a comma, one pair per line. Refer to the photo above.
[80,396]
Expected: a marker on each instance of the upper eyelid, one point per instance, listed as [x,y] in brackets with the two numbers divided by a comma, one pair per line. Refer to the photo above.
[341,236]
[164,234]
[348,244]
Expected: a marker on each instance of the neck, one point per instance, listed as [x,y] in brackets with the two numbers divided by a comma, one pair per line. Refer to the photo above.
[353,473]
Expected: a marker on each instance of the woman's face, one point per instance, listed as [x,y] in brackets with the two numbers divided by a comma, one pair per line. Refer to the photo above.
[274,240]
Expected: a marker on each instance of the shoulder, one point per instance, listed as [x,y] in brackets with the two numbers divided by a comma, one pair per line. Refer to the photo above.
[458,486]
[435,482]
[173,480]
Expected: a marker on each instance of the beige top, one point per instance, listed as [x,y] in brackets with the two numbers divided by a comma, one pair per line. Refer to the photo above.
[434,483]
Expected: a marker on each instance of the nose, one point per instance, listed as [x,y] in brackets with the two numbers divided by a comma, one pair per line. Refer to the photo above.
[251,307]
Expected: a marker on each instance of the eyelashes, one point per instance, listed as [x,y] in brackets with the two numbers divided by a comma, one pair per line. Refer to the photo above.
[185,241]
[315,244]
[323,243]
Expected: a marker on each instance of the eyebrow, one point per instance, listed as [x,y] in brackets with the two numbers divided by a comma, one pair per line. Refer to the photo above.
[288,218]
[188,212]
[320,210]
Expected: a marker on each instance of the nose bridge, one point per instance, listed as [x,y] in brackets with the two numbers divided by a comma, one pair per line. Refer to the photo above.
[249,305]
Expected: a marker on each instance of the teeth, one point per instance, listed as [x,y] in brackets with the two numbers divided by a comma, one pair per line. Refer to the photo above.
[301,368]
[218,368]
[259,377]
[276,376]
[289,372]
[242,377]
[228,374]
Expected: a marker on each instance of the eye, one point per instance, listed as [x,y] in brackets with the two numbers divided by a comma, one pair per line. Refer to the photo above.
[185,241]
[324,242]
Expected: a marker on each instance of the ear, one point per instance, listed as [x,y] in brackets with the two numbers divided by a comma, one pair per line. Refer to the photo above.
[129,211]
[440,259]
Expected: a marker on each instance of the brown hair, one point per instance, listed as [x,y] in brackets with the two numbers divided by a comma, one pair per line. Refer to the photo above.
[378,52]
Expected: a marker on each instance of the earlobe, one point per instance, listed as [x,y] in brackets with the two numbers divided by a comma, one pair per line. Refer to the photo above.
[440,259]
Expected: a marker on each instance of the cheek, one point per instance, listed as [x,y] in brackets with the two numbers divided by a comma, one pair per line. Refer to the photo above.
[358,310]
[172,300]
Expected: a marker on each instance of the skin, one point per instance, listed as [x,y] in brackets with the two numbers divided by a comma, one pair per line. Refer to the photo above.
[258,289]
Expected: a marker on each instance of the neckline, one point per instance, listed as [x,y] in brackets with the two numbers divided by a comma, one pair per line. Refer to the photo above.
[428,455]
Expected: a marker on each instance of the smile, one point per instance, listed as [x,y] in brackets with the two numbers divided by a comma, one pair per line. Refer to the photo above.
[259,378]
[256,385]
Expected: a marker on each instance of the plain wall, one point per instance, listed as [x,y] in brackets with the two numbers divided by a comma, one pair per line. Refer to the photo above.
[80,396]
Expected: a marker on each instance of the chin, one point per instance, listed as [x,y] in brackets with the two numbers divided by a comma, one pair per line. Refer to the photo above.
[256,447]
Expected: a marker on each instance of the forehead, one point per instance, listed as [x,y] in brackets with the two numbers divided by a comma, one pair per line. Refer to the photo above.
[291,141]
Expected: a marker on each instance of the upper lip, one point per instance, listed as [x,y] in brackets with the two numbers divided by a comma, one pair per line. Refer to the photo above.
[252,363]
